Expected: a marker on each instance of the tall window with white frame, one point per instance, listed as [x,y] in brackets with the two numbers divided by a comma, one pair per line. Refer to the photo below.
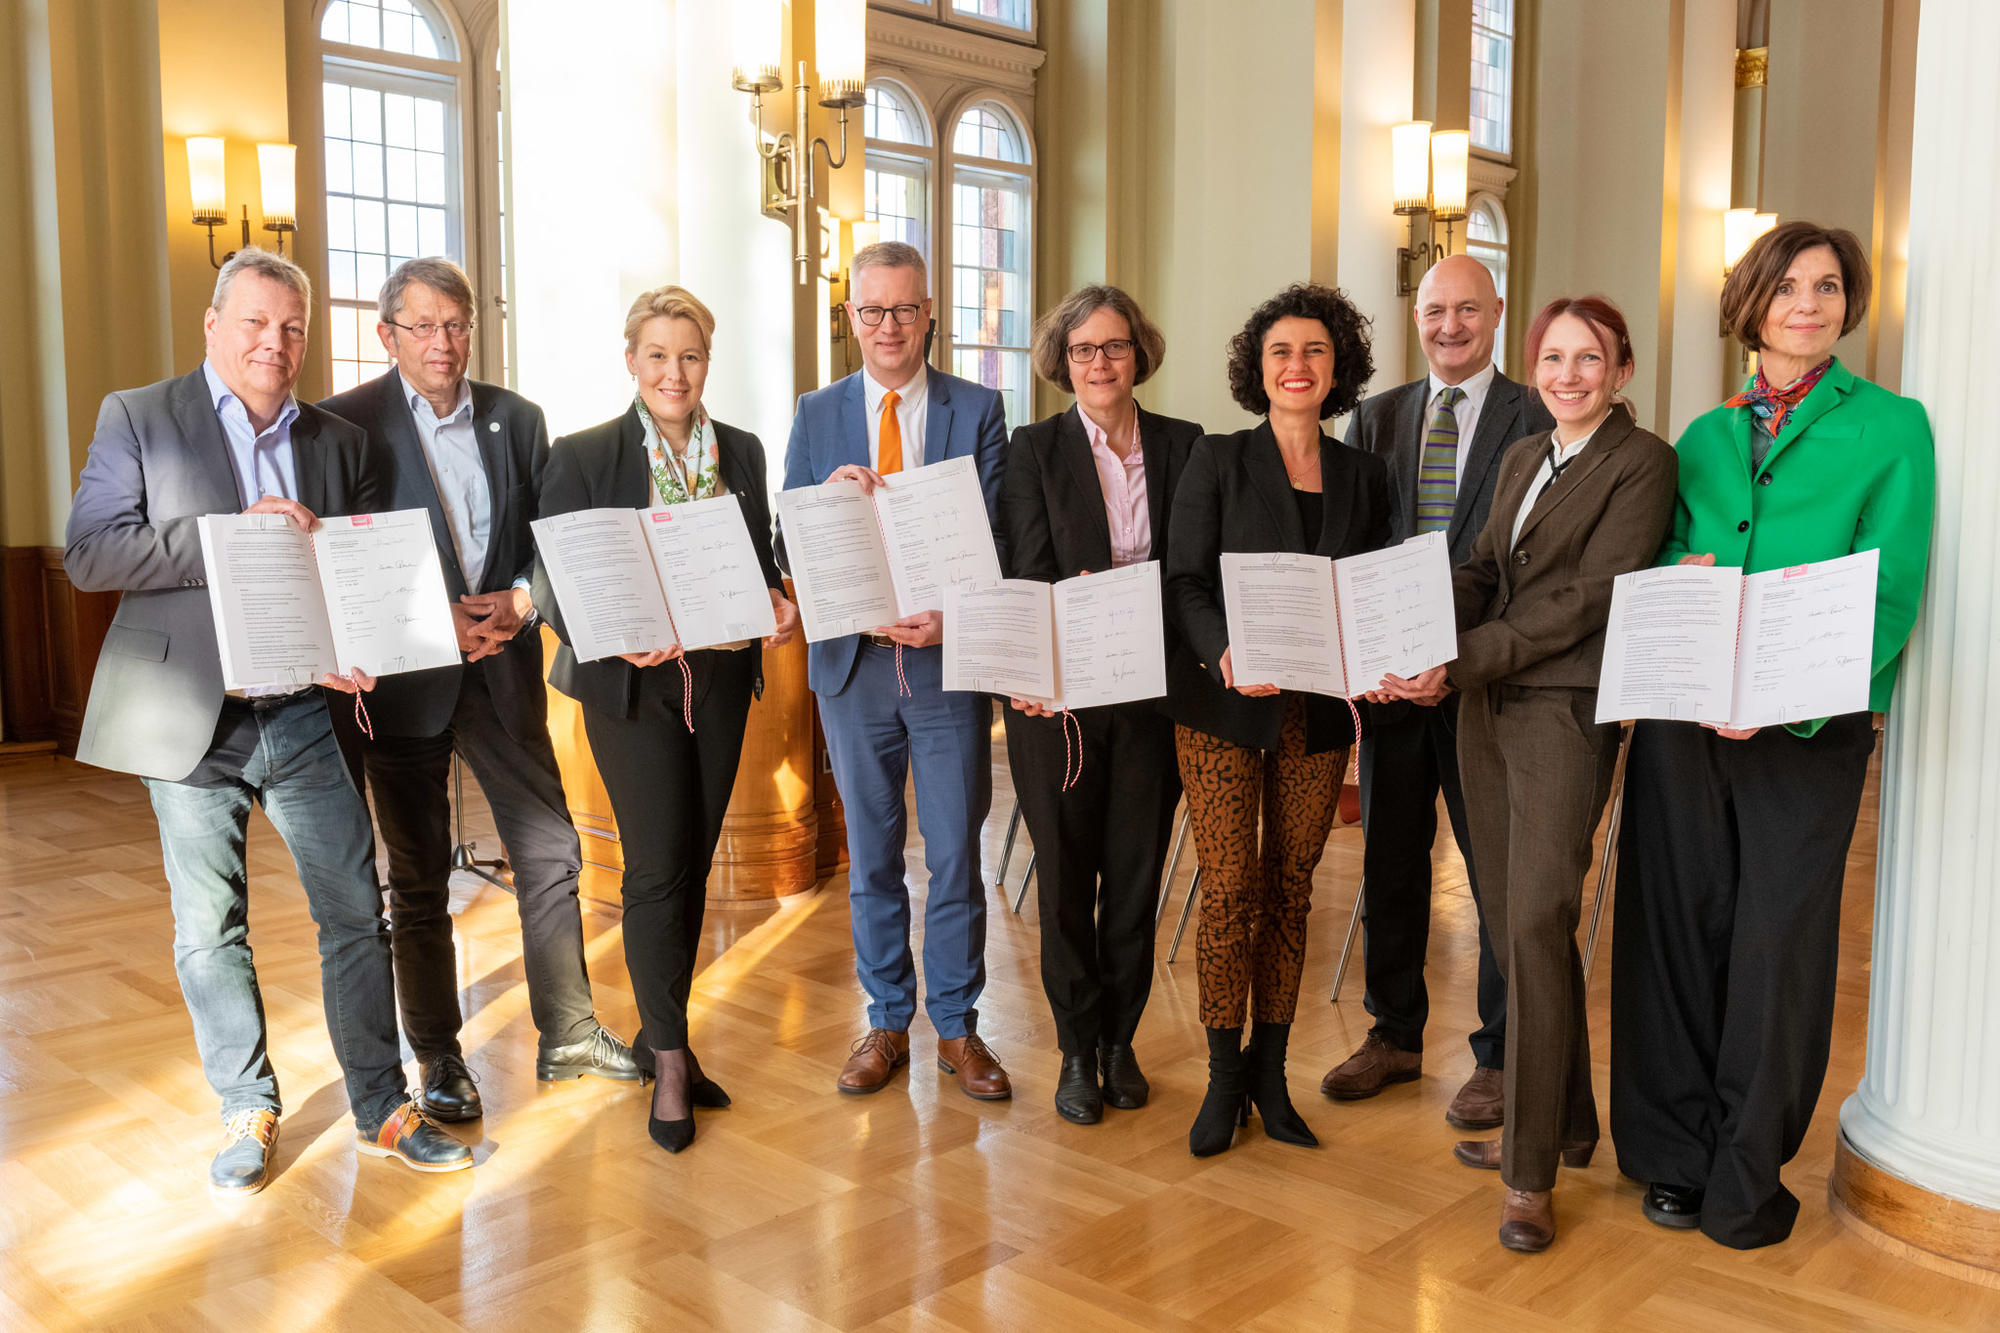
[1486,241]
[897,173]
[991,281]
[394,181]
[1493,76]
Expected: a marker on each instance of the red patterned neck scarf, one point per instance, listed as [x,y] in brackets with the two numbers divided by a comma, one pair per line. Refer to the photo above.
[1774,406]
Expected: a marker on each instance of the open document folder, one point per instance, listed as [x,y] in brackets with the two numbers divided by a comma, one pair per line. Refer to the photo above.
[1081,643]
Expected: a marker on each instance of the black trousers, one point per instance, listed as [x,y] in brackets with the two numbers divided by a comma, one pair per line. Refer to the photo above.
[1410,754]
[411,777]
[1726,941]
[1099,850]
[669,790]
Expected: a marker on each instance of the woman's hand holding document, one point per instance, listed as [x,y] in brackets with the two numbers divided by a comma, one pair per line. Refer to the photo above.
[642,581]
[1693,643]
[1081,643]
[360,593]
[1338,627]
[862,561]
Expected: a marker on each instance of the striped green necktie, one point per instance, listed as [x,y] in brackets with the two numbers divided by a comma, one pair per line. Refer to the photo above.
[1437,479]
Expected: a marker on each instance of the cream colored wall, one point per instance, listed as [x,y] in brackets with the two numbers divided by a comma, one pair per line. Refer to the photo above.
[222,71]
[85,259]
[1378,66]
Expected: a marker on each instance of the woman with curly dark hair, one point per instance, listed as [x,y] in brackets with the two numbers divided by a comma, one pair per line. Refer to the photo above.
[1246,746]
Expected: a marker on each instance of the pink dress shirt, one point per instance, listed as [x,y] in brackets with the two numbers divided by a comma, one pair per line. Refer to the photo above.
[1124,484]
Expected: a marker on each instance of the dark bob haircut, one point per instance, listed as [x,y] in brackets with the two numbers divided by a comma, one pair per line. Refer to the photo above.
[1049,348]
[1353,361]
[1752,285]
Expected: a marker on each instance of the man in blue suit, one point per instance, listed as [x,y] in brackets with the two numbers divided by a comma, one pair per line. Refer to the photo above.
[897,413]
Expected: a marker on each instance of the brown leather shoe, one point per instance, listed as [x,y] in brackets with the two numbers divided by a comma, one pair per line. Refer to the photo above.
[1481,1103]
[874,1060]
[1369,1070]
[1528,1220]
[978,1069]
[1484,1154]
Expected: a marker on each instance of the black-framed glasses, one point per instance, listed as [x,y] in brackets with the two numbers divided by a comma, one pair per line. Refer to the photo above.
[1116,350]
[871,315]
[456,330]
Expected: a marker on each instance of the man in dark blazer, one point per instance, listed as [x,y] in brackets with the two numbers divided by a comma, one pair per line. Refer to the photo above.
[1442,437]
[229,438]
[471,455]
[897,413]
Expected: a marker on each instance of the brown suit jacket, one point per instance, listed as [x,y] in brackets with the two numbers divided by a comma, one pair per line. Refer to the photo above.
[1533,613]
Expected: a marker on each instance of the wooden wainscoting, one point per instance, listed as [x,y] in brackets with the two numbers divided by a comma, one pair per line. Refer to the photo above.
[50,634]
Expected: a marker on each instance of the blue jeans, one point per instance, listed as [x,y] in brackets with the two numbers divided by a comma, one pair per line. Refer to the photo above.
[282,755]
[874,735]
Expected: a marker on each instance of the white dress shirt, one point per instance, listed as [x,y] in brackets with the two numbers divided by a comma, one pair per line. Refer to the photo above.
[912,400]
[1466,410]
[1563,454]
[452,451]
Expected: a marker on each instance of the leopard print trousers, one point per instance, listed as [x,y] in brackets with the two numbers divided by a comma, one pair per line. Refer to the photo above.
[1250,944]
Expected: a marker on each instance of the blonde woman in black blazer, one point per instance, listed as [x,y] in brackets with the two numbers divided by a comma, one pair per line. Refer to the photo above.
[1575,508]
[668,779]
[1086,490]
[1244,746]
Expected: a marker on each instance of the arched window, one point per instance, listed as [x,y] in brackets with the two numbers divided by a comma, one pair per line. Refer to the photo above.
[992,205]
[1486,241]
[897,176]
[390,85]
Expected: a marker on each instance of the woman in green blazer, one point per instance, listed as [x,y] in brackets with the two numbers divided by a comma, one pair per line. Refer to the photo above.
[1727,928]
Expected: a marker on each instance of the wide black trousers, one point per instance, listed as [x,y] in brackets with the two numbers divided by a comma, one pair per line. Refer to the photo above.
[669,790]
[1410,754]
[1099,850]
[1727,938]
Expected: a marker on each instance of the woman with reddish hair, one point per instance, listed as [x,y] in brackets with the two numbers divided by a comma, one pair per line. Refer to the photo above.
[1575,507]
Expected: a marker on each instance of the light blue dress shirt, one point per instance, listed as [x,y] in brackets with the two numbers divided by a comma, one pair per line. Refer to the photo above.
[262,463]
[459,473]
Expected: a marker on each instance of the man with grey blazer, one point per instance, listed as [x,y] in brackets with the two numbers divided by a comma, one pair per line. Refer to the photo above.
[470,455]
[229,438]
[1442,437]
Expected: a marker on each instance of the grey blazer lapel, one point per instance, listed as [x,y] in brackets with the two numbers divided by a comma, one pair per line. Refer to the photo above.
[1609,436]
[496,455]
[194,413]
[1410,424]
[309,459]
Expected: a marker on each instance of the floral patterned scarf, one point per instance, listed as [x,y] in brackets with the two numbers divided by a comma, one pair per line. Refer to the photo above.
[670,468]
[1773,407]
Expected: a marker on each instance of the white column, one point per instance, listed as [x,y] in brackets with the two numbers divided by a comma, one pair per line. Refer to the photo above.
[1928,1109]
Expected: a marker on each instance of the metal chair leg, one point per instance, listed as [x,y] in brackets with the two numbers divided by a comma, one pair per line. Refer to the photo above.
[1007,847]
[1609,865]
[1173,864]
[462,857]
[1347,946]
[1194,888]
[1027,876]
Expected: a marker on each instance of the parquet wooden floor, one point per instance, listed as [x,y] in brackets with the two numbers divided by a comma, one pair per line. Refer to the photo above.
[799,1208]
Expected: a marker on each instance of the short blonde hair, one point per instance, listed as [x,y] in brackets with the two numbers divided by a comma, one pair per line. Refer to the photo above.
[674,303]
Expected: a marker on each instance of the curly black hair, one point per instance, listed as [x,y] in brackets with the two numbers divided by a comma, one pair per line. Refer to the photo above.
[1353,360]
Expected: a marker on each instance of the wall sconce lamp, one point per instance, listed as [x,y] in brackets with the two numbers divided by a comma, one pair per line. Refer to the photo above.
[1740,229]
[787,158]
[276,173]
[1429,172]
[861,233]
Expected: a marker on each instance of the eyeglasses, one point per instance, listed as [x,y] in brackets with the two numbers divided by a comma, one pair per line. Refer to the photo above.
[1083,354]
[871,315]
[458,330]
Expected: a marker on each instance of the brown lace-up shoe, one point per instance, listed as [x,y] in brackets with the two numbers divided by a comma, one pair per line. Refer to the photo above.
[874,1060]
[1528,1220]
[409,1137]
[1369,1070]
[978,1069]
[1481,1103]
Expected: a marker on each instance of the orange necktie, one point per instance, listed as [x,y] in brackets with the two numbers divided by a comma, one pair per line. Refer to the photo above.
[889,456]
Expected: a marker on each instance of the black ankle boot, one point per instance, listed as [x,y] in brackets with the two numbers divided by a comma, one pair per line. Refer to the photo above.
[1223,1106]
[1265,1059]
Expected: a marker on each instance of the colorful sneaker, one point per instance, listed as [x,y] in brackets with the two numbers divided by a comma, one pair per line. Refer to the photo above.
[409,1137]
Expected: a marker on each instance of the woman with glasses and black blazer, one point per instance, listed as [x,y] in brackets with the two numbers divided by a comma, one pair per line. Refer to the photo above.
[1245,747]
[666,733]
[1087,490]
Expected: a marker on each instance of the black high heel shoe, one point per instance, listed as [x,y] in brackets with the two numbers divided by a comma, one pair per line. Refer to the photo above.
[673,1135]
[1265,1059]
[703,1091]
[1225,1104]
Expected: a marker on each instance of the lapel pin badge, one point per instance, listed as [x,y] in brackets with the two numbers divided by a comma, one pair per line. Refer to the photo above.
[493,426]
